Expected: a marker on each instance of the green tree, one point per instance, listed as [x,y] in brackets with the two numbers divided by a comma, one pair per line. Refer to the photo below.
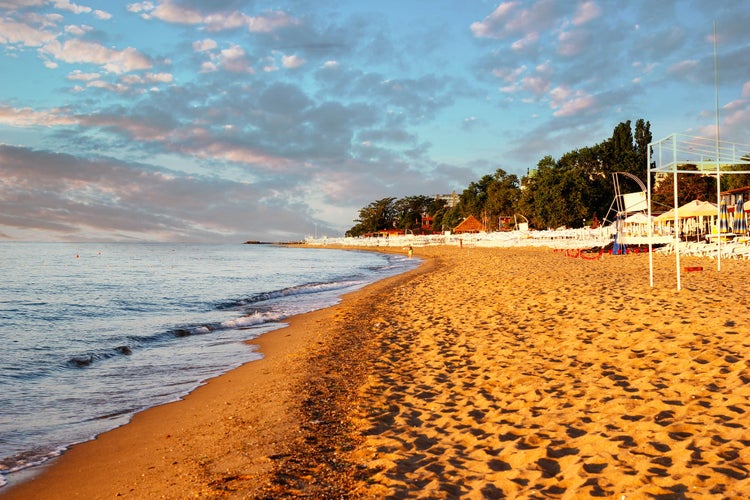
[689,187]
[451,218]
[566,192]
[378,215]
[488,199]
[409,211]
[503,194]
[735,181]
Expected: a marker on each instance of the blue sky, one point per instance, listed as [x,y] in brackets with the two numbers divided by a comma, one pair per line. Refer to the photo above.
[227,120]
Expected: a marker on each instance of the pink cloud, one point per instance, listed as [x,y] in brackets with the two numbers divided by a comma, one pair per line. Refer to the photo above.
[114,61]
[586,12]
[26,117]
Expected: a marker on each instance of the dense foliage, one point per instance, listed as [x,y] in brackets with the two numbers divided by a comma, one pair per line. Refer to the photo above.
[571,191]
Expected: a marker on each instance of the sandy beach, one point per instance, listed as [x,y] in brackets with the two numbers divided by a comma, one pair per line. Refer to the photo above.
[486,373]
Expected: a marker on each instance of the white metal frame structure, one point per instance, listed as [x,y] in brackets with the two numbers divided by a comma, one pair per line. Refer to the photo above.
[672,155]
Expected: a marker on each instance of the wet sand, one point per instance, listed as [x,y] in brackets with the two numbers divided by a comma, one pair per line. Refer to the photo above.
[487,373]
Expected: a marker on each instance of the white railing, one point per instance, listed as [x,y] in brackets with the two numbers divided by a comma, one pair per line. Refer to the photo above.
[559,238]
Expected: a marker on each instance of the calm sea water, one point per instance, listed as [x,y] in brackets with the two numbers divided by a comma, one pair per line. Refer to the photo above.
[92,333]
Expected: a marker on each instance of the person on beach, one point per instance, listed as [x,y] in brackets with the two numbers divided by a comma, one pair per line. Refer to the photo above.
[411,251]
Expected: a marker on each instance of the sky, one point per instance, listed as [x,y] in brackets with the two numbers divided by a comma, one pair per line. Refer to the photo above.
[234,120]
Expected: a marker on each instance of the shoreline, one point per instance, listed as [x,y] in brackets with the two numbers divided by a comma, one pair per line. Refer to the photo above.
[175,449]
[483,373]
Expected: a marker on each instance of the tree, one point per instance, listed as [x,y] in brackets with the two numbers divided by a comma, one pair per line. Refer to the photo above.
[567,192]
[503,194]
[375,216]
[409,211]
[735,181]
[689,187]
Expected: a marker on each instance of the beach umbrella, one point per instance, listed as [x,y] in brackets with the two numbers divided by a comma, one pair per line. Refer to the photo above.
[723,218]
[740,219]
[696,208]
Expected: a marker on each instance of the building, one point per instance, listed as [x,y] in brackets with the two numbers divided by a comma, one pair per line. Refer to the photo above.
[730,197]
[451,200]
[469,225]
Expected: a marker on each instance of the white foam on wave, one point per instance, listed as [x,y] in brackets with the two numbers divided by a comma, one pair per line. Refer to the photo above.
[254,319]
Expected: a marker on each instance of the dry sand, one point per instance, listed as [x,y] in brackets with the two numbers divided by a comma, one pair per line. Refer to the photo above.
[488,373]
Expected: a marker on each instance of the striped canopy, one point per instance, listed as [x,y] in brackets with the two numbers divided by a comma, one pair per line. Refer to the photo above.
[740,218]
[723,217]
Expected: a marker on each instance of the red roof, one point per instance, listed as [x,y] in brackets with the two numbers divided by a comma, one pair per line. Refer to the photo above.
[470,225]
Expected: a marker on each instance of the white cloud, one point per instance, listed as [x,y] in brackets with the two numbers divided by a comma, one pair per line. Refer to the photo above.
[71,7]
[78,30]
[81,76]
[112,87]
[208,67]
[234,59]
[114,61]
[139,7]
[148,78]
[525,42]
[103,15]
[27,117]
[220,22]
[204,45]
[536,85]
[568,102]
[12,32]
[572,43]
[509,75]
[170,12]
[683,67]
[488,26]
[271,22]
[291,62]
[159,77]
[586,12]
[517,18]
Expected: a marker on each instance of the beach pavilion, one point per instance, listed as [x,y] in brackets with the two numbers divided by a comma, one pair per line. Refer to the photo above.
[469,225]
[672,155]
[694,220]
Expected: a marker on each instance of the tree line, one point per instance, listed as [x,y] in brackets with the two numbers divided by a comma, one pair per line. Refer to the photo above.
[573,191]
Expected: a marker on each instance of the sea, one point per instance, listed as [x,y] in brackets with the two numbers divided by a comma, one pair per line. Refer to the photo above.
[91,333]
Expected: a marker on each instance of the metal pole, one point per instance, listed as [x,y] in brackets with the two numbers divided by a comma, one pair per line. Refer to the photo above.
[676,215]
[718,153]
[650,221]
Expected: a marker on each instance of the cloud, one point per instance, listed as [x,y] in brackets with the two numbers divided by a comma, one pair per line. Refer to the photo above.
[512,19]
[27,117]
[171,12]
[76,30]
[107,199]
[12,32]
[572,43]
[148,78]
[70,7]
[291,62]
[234,59]
[204,45]
[529,41]
[111,60]
[587,11]
[569,102]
